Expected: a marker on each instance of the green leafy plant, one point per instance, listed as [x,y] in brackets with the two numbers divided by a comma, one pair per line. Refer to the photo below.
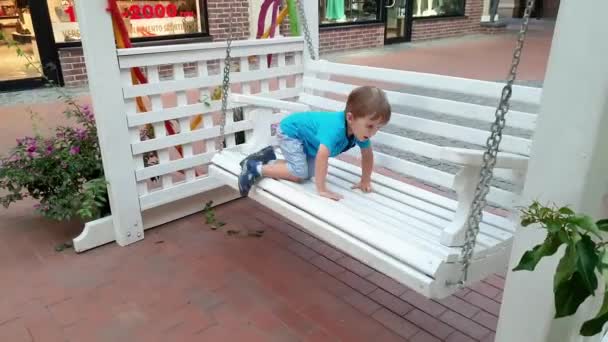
[210,218]
[63,171]
[583,266]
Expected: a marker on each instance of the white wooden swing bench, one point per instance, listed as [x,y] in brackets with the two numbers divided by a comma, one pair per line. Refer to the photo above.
[404,231]
[411,234]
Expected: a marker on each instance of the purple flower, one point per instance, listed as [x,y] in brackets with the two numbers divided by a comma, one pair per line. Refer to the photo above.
[49,149]
[32,148]
[75,150]
[81,134]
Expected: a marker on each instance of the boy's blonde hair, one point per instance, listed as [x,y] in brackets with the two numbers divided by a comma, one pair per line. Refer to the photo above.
[369,101]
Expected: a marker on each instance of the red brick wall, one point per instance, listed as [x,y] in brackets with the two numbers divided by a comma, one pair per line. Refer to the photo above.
[448,27]
[345,37]
[73,67]
[219,20]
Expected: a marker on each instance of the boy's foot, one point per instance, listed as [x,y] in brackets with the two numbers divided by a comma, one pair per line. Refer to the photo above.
[264,156]
[248,176]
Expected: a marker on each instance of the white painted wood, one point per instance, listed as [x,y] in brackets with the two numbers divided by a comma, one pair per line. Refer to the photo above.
[469,157]
[100,232]
[185,163]
[198,108]
[330,234]
[299,203]
[264,85]
[473,87]
[568,166]
[184,123]
[184,53]
[465,184]
[424,195]
[135,132]
[281,63]
[261,136]
[338,216]
[95,233]
[110,114]
[516,119]
[429,212]
[178,191]
[160,131]
[268,102]
[465,134]
[183,138]
[214,80]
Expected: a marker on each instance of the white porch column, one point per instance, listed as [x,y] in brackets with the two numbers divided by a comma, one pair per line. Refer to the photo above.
[568,166]
[111,118]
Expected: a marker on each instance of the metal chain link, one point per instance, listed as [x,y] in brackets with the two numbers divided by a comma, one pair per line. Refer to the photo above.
[307,37]
[489,156]
[226,80]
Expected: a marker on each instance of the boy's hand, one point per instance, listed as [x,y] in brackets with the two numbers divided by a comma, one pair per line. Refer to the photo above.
[331,195]
[364,185]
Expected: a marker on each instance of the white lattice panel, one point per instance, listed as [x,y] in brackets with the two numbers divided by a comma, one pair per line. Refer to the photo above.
[183,91]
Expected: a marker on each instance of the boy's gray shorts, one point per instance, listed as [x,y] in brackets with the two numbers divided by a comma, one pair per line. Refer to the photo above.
[298,163]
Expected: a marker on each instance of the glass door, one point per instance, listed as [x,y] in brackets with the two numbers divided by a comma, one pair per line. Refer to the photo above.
[398,21]
[26,41]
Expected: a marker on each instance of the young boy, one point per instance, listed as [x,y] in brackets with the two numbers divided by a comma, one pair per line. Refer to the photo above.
[307,140]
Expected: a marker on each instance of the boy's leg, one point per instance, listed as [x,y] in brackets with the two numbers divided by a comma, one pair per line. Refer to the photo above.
[264,156]
[280,170]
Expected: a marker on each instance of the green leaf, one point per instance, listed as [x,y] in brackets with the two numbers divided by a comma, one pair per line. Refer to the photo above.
[565,268]
[531,258]
[569,295]
[602,225]
[566,211]
[586,262]
[595,325]
[554,226]
[586,223]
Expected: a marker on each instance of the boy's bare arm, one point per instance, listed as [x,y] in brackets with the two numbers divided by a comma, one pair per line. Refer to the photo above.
[321,165]
[367,165]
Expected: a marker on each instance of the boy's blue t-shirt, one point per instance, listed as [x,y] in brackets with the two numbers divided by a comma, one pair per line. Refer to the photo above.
[315,128]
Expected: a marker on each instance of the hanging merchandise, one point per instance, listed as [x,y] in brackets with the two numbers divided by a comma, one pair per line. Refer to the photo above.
[335,10]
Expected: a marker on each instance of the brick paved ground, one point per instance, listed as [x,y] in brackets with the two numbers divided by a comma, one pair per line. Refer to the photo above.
[185,282]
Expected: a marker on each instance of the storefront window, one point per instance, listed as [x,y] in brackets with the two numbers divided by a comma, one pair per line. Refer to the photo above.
[147,18]
[435,8]
[348,11]
[17,28]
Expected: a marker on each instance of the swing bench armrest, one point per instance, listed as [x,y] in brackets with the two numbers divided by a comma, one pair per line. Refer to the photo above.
[268,102]
[468,157]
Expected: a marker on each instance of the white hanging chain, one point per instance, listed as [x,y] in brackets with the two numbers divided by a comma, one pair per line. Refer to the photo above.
[489,156]
[307,37]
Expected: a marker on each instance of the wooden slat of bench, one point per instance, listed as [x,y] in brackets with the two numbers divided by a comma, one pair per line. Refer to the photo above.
[404,218]
[424,195]
[433,81]
[429,212]
[516,119]
[390,225]
[341,217]
[465,134]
